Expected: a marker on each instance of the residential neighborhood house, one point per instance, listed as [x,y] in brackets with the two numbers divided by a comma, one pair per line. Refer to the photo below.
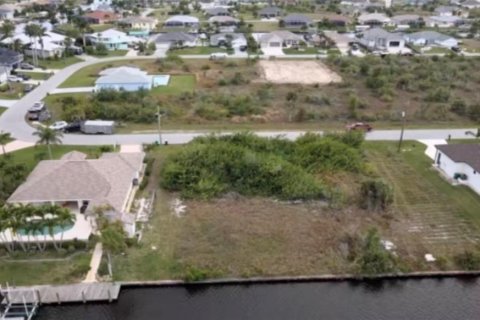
[9,60]
[177,39]
[296,20]
[182,21]
[7,11]
[113,39]
[270,12]
[431,38]
[280,39]
[83,185]
[139,23]
[373,19]
[236,40]
[100,17]
[460,162]
[377,39]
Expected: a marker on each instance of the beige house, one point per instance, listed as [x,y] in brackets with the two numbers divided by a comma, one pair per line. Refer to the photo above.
[83,184]
[139,23]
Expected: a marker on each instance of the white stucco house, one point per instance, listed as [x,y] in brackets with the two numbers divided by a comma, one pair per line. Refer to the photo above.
[460,162]
[377,39]
[431,38]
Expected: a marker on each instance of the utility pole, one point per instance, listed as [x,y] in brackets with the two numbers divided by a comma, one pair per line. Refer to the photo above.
[401,133]
[159,117]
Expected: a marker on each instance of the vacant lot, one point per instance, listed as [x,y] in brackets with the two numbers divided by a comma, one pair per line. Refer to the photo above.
[245,237]
[302,72]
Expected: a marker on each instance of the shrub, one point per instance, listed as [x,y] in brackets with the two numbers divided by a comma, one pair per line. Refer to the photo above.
[459,107]
[375,195]
[374,259]
[193,274]
[468,260]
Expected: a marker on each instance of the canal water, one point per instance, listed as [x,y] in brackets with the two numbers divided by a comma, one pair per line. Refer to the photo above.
[438,299]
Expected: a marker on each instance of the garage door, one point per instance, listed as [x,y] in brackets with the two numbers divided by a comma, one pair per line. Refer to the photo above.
[275,44]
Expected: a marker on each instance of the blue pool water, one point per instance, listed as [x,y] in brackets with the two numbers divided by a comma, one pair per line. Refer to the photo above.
[45,231]
[161,80]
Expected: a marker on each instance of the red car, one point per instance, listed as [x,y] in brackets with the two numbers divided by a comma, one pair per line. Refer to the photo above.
[359,126]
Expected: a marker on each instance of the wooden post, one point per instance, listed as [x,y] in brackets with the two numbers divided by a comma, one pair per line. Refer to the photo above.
[58,297]
[83,297]
[38,296]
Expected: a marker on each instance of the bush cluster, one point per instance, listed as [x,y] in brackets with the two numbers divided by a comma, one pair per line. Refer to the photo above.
[255,166]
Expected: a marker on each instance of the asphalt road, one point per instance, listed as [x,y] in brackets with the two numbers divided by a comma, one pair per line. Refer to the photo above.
[13,120]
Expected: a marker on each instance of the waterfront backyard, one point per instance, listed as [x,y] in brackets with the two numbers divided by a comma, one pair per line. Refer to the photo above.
[238,236]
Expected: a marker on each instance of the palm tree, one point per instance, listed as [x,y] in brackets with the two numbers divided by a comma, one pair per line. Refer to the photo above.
[5,138]
[31,32]
[39,34]
[82,27]
[48,136]
[64,219]
[7,30]
[17,45]
[5,220]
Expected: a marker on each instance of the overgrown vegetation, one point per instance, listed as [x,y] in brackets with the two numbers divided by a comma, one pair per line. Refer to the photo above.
[250,165]
[373,258]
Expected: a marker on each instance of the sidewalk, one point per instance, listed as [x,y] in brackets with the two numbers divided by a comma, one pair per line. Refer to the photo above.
[17,145]
[7,103]
[72,90]
[94,264]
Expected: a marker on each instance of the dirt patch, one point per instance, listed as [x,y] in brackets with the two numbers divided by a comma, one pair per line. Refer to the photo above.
[304,72]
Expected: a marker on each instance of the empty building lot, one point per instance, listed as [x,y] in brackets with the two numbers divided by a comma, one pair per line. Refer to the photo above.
[303,72]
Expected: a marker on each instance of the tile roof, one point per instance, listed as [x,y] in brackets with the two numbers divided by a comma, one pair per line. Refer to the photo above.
[106,180]
[466,153]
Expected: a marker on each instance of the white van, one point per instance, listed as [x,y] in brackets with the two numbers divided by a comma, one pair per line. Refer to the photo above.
[218,56]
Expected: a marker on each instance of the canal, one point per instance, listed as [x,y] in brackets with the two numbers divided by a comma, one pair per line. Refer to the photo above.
[447,298]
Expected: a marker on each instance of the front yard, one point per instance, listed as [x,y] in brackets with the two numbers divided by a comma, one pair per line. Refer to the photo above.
[308,50]
[59,63]
[13,91]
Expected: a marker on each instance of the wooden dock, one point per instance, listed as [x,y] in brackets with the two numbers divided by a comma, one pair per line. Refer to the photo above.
[71,293]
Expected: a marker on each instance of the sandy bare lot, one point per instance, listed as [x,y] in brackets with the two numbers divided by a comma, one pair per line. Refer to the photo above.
[304,72]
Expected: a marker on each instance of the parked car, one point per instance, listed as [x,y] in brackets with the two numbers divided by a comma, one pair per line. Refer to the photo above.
[28,87]
[59,125]
[24,76]
[361,126]
[35,111]
[218,56]
[14,79]
[26,66]
[73,127]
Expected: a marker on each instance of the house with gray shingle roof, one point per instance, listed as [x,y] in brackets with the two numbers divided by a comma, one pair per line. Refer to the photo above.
[270,12]
[83,184]
[378,39]
[297,20]
[460,163]
[431,38]
[177,39]
[217,11]
[124,78]
[280,39]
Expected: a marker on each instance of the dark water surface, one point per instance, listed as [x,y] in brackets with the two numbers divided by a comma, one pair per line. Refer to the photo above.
[447,298]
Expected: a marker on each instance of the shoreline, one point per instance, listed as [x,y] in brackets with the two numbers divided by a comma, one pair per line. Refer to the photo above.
[300,279]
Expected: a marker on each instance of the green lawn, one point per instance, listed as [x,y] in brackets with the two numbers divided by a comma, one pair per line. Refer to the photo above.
[14,92]
[36,75]
[197,50]
[33,272]
[261,26]
[177,84]
[56,64]
[2,110]
[438,50]
[300,51]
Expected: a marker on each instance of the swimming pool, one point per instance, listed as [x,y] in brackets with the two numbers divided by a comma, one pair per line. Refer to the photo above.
[161,80]
[45,230]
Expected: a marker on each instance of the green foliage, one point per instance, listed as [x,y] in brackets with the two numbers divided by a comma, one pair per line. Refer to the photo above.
[12,175]
[251,165]
[468,260]
[375,195]
[374,259]
[80,269]
[193,274]
[113,237]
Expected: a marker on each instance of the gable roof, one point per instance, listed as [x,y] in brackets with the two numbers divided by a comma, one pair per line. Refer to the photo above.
[270,10]
[9,57]
[379,33]
[295,17]
[430,36]
[175,36]
[106,180]
[123,75]
[101,15]
[284,35]
[465,153]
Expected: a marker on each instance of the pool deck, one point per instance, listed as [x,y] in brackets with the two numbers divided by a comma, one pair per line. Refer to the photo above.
[81,230]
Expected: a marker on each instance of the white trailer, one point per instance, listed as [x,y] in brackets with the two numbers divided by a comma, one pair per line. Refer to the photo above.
[98,127]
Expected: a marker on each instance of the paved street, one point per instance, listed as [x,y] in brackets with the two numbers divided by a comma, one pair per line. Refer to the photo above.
[13,121]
